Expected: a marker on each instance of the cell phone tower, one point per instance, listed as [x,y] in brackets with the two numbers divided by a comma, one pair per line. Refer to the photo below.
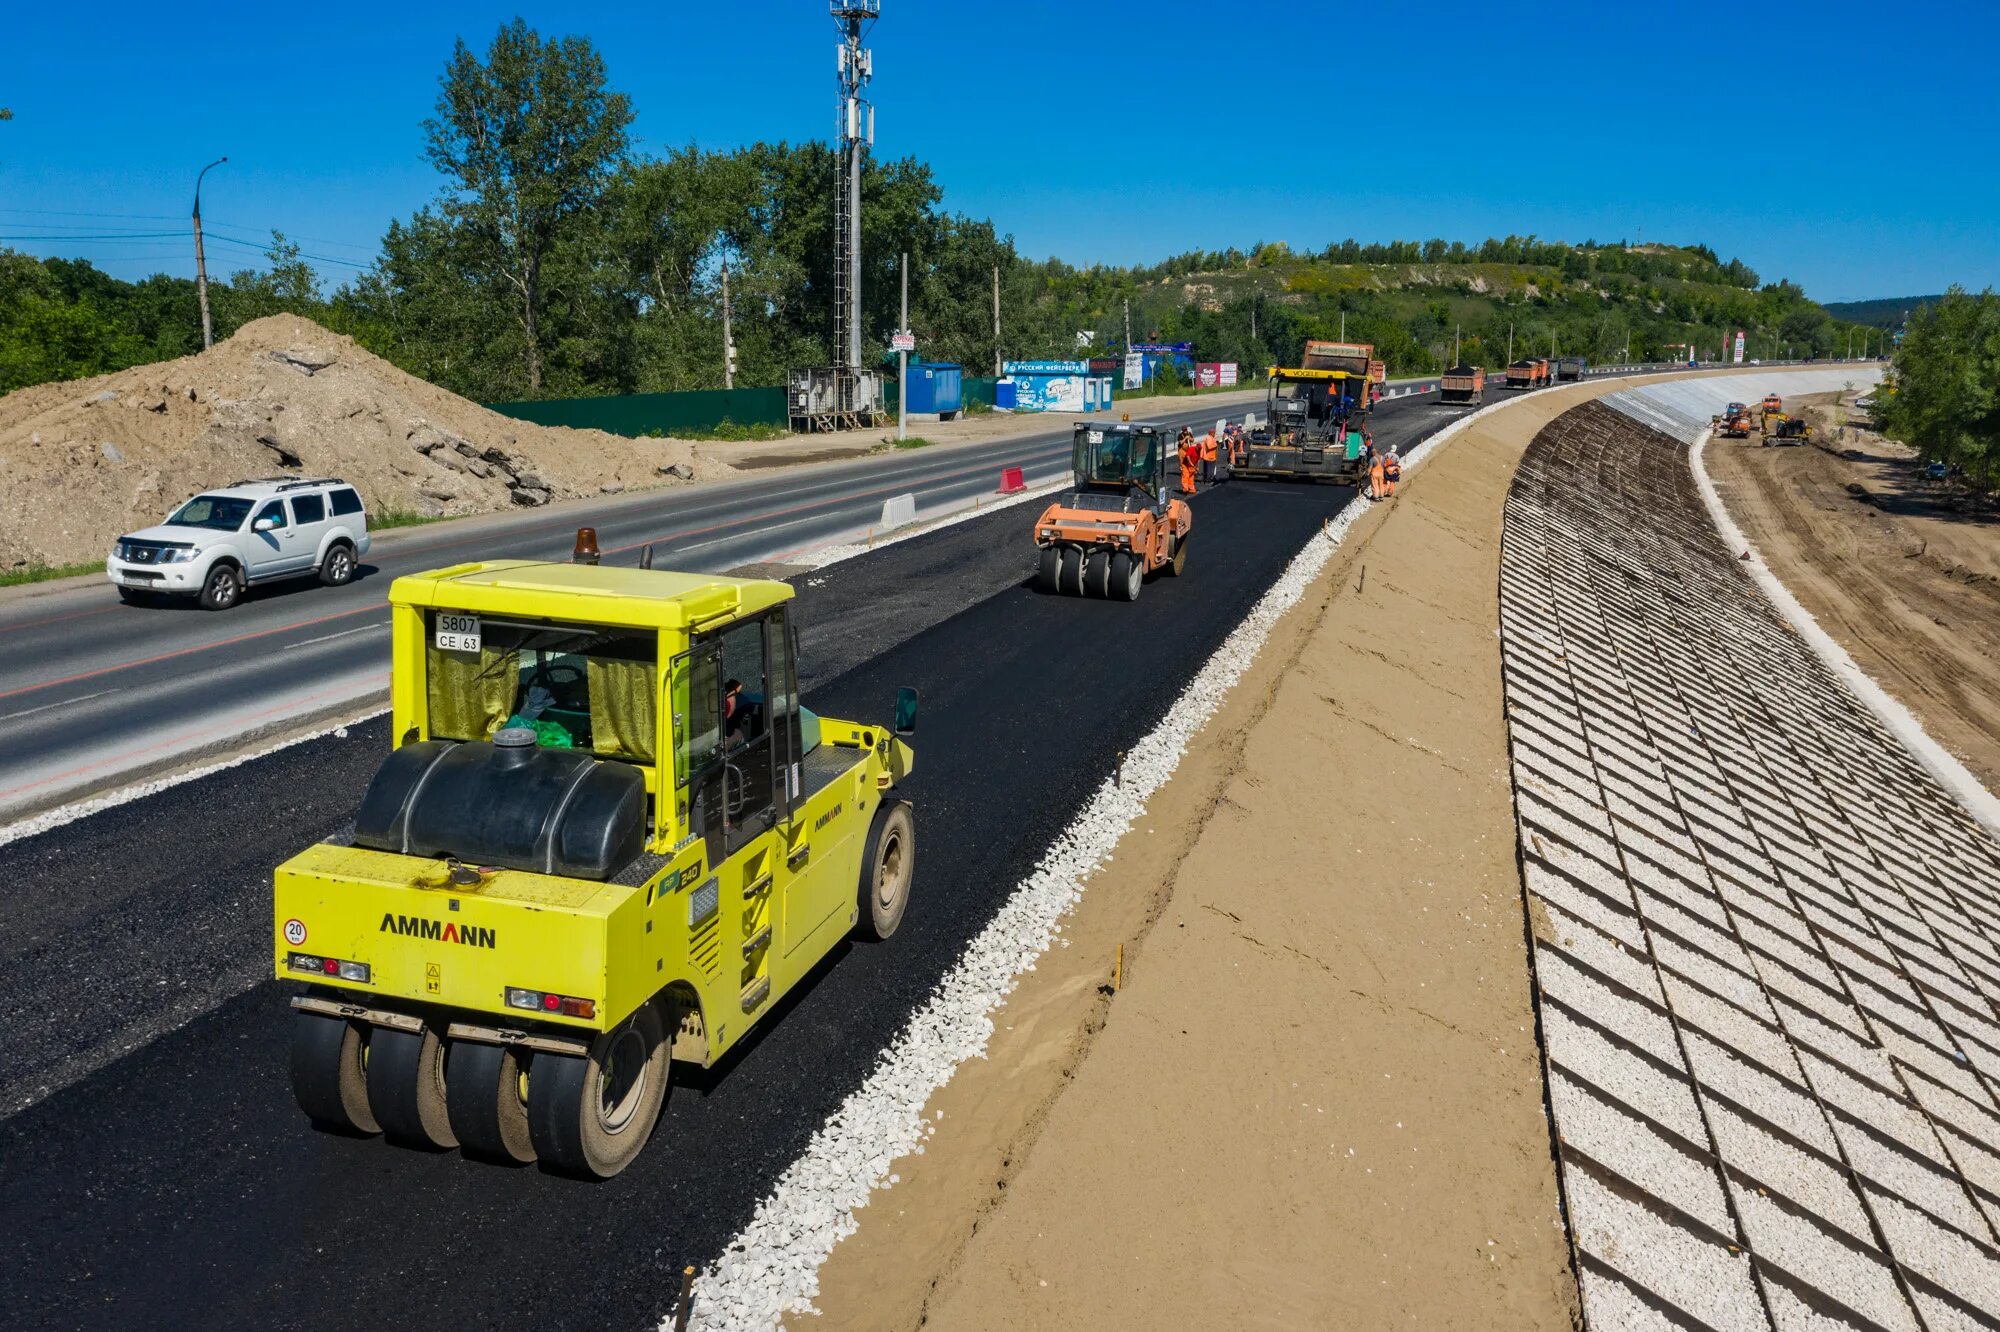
[853,19]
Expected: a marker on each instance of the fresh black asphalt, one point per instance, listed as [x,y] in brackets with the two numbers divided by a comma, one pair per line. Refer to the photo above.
[168,1179]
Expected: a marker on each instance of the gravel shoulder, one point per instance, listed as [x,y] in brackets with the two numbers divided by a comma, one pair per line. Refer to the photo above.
[1317,1099]
[1908,585]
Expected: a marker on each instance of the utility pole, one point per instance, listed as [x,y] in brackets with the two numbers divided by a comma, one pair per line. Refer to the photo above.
[728,342]
[201,261]
[996,321]
[853,18]
[903,359]
[1128,326]
[1343,325]
[1510,344]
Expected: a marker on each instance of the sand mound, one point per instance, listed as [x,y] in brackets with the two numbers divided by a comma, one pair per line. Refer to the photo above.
[84,461]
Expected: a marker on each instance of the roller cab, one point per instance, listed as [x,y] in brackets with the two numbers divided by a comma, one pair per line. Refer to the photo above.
[609,836]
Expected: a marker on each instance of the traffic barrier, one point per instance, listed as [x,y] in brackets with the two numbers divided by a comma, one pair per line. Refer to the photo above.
[899,509]
[1011,481]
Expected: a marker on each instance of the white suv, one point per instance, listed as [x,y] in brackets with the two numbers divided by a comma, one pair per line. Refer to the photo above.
[221,541]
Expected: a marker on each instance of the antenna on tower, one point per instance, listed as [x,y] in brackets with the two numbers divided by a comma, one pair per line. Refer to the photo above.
[853,19]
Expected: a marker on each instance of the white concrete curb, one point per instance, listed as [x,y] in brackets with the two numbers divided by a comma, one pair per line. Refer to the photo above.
[1941,762]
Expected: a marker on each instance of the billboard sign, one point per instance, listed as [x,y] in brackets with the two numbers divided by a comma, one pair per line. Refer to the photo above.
[1228,369]
[1135,370]
[1207,374]
[1739,346]
[1045,367]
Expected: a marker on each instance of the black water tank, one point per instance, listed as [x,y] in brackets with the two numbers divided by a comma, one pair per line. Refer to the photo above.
[509,803]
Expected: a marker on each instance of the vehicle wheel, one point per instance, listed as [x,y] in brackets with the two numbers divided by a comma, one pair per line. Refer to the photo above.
[1069,571]
[1128,573]
[338,566]
[888,863]
[406,1088]
[1045,568]
[221,589]
[1097,574]
[1176,562]
[329,1072]
[590,1115]
[486,1096]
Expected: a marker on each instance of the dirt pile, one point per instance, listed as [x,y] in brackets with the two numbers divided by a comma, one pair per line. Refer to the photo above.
[84,461]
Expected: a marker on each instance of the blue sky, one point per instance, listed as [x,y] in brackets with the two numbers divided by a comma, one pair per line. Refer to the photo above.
[1849,147]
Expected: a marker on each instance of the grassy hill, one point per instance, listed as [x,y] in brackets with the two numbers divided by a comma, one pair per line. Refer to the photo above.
[1604,302]
[1888,312]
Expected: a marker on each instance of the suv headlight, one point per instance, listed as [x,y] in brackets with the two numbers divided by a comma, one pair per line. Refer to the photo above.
[181,556]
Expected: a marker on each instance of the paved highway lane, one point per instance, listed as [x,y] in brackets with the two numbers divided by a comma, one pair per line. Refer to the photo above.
[92,689]
[167,1176]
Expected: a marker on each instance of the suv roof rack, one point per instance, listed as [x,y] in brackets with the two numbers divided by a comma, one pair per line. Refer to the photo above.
[286,482]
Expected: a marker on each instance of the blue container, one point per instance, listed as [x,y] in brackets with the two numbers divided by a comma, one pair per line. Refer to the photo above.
[938,387]
[1005,394]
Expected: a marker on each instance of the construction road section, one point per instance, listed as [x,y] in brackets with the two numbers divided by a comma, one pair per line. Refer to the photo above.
[161,1171]
[1767,939]
[94,692]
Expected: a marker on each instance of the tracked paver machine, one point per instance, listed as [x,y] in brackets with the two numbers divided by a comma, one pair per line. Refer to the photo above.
[609,837]
[1119,524]
[1315,426]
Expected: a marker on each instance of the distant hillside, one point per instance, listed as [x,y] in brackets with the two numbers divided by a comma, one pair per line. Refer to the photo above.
[1888,312]
[1416,300]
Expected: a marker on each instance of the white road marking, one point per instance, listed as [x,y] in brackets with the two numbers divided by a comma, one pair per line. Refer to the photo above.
[46,707]
[345,633]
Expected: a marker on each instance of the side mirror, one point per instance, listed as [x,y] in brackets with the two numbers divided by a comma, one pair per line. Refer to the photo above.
[264,525]
[906,711]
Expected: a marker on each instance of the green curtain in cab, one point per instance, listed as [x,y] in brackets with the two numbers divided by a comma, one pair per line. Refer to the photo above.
[471,696]
[622,718]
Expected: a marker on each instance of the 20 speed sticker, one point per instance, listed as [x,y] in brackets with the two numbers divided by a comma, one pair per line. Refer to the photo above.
[295,931]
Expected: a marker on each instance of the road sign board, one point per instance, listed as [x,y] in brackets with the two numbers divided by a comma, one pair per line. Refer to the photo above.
[902,342]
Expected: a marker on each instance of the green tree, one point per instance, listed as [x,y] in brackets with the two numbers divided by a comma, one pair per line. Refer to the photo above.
[528,139]
[1944,396]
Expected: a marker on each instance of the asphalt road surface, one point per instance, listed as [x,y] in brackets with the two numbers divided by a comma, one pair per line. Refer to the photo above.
[162,1173]
[94,692]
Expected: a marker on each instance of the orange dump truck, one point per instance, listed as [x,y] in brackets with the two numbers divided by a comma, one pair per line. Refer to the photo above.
[1462,383]
[1528,374]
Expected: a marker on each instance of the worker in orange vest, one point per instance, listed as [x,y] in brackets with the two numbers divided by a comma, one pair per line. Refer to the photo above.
[1378,483]
[1239,446]
[1208,456]
[1189,454]
[1392,469]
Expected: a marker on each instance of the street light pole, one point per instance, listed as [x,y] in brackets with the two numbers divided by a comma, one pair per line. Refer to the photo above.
[903,360]
[200,262]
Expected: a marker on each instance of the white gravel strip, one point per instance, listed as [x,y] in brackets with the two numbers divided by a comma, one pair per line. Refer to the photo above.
[1941,763]
[772,1268]
[125,795]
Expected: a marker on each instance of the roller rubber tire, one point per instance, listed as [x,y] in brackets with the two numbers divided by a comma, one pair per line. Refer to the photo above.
[337,569]
[329,1081]
[483,1097]
[1069,571]
[1128,575]
[1177,561]
[1046,566]
[222,588]
[406,1088]
[574,1132]
[888,864]
[1097,574]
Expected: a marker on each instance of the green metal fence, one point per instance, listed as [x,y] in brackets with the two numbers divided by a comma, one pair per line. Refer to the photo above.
[640,414]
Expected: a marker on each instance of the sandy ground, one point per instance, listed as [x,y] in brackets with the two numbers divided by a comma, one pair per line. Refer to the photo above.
[1906,583]
[1317,1099]
[84,461]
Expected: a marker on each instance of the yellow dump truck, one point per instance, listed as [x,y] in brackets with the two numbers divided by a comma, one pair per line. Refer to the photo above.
[609,836]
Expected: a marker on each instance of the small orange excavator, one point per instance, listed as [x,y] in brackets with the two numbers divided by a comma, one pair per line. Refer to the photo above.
[1734,423]
[1119,524]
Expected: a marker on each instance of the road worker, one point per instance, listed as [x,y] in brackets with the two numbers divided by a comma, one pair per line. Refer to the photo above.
[1239,446]
[1208,452]
[1378,484]
[1189,454]
[1392,468]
